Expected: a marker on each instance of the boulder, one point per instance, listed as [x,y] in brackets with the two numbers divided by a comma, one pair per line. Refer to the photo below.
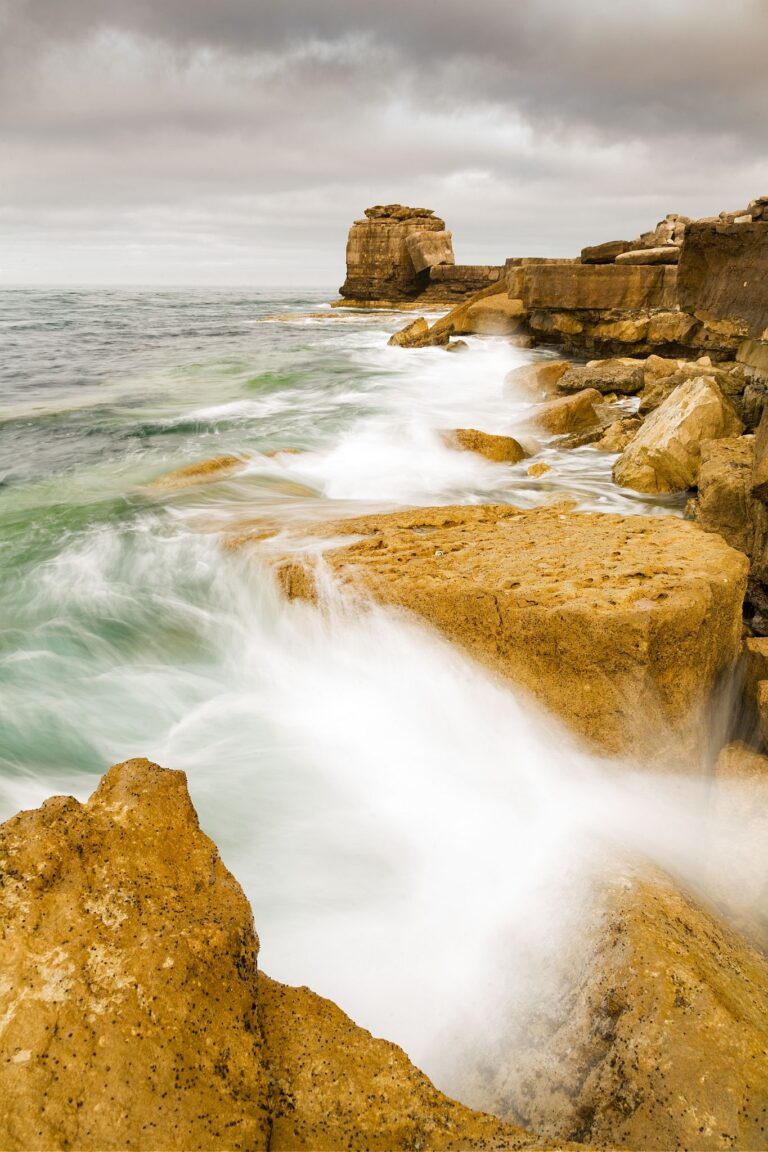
[499,449]
[573,413]
[133,1014]
[619,434]
[457,346]
[539,469]
[428,249]
[659,1037]
[620,625]
[537,380]
[667,254]
[724,500]
[555,323]
[604,253]
[665,455]
[418,334]
[625,377]
[202,472]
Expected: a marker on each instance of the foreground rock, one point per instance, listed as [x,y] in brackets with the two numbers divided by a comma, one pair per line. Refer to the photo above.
[133,1017]
[665,455]
[499,449]
[661,1038]
[620,625]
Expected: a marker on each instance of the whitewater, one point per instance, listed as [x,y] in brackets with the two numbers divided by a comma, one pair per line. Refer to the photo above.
[417,839]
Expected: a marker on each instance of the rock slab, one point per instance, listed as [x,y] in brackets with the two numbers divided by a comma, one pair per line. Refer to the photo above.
[620,625]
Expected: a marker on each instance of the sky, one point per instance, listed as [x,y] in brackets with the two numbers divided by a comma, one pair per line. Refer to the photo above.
[233,142]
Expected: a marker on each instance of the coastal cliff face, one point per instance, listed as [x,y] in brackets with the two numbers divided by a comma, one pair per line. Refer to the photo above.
[723,273]
[132,1014]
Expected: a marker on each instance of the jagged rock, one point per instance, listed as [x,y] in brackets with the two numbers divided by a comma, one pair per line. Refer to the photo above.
[538,380]
[668,254]
[665,455]
[621,625]
[723,274]
[418,334]
[200,473]
[604,253]
[619,434]
[499,449]
[622,376]
[428,249]
[574,413]
[659,1039]
[133,1016]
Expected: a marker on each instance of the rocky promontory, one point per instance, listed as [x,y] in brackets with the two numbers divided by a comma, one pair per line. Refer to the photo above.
[133,1013]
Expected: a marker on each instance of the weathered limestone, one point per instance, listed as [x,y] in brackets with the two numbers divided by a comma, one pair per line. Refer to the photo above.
[203,472]
[499,449]
[537,380]
[659,1040]
[620,625]
[604,253]
[379,263]
[665,455]
[619,434]
[398,255]
[625,377]
[723,274]
[665,255]
[428,249]
[418,334]
[133,1017]
[568,287]
[723,503]
[573,413]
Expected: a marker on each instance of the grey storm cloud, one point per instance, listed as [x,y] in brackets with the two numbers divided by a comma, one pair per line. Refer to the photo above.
[234,141]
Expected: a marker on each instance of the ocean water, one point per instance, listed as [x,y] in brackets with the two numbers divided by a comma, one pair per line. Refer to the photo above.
[415,837]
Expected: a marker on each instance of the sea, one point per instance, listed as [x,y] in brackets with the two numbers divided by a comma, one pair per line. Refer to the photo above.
[415,836]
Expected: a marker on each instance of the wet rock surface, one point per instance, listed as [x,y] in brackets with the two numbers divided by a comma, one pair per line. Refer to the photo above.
[133,1016]
[661,1040]
[620,625]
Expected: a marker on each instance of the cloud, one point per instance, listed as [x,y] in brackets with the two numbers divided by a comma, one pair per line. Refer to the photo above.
[166,140]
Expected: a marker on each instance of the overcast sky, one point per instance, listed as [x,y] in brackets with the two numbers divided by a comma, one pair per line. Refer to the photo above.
[234,141]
